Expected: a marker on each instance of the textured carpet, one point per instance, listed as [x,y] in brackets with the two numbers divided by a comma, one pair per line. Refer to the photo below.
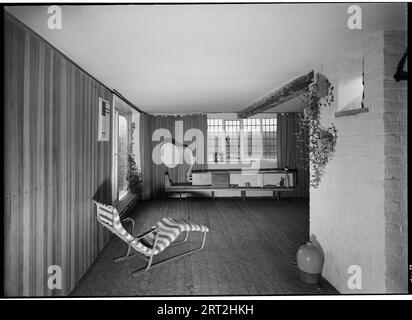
[250,250]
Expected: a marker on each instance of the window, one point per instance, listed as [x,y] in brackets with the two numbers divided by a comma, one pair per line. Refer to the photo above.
[252,139]
[122,154]
[232,137]
[232,141]
[215,138]
[349,88]
[125,135]
[269,138]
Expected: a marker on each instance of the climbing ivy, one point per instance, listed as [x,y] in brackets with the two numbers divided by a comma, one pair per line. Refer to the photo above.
[318,142]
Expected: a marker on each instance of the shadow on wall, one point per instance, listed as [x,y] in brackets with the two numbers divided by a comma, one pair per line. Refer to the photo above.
[316,243]
[103,192]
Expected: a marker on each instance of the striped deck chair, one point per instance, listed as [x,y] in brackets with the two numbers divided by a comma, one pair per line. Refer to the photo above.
[156,240]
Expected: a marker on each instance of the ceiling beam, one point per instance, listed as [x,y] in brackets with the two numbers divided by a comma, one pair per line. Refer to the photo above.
[285,93]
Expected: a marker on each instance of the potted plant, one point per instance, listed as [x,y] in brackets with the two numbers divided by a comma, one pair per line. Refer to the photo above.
[326,139]
[134,176]
[318,143]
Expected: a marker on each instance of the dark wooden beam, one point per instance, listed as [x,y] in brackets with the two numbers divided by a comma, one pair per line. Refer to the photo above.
[321,85]
[285,93]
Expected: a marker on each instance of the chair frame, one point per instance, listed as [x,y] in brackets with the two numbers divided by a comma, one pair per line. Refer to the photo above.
[149,259]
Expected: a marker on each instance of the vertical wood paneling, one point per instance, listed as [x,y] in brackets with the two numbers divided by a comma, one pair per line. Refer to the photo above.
[26,166]
[54,165]
[49,168]
[40,183]
[145,133]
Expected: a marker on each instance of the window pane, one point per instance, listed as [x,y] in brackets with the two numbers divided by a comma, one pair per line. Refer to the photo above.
[269,138]
[232,130]
[224,139]
[122,156]
[215,141]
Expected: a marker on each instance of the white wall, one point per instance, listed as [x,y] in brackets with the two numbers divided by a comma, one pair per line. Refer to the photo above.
[348,211]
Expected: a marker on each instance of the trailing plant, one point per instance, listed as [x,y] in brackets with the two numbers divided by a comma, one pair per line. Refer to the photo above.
[316,143]
[133,175]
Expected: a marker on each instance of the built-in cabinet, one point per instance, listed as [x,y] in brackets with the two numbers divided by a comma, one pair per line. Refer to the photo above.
[238,178]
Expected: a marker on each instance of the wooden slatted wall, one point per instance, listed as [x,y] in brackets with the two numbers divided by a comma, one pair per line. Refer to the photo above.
[145,128]
[54,165]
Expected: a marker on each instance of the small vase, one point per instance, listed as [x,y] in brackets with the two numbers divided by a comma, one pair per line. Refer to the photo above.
[310,262]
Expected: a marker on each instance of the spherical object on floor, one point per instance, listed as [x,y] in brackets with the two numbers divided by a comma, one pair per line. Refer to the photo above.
[310,261]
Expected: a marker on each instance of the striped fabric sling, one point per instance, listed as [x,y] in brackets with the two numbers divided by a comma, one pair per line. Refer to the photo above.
[167,230]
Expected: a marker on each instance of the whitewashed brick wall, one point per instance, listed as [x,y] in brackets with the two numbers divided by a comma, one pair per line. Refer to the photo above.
[358,213]
[395,118]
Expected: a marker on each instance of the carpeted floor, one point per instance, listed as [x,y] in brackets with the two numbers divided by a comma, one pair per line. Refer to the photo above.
[250,250]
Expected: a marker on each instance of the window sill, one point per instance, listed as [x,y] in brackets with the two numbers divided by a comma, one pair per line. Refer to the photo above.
[350,112]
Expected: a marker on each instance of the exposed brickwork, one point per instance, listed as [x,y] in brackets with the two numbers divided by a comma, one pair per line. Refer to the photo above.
[358,213]
[395,127]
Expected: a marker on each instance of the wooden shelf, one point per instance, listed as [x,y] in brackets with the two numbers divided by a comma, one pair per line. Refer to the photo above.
[350,112]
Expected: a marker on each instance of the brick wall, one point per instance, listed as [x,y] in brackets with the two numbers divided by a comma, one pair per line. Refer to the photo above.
[358,214]
[395,127]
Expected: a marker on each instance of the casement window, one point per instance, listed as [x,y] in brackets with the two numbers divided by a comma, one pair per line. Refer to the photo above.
[269,127]
[215,141]
[233,141]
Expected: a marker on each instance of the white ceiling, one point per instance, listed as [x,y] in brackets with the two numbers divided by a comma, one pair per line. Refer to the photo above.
[206,58]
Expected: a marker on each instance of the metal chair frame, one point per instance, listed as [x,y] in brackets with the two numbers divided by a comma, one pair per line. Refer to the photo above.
[149,259]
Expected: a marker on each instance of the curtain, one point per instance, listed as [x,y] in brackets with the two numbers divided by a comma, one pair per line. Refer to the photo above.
[168,123]
[291,152]
[145,134]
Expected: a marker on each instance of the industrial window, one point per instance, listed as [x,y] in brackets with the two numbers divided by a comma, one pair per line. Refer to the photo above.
[252,139]
[232,137]
[261,138]
[269,138]
[230,141]
[215,141]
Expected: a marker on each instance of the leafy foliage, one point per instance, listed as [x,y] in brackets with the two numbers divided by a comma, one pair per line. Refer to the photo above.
[318,141]
[133,175]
